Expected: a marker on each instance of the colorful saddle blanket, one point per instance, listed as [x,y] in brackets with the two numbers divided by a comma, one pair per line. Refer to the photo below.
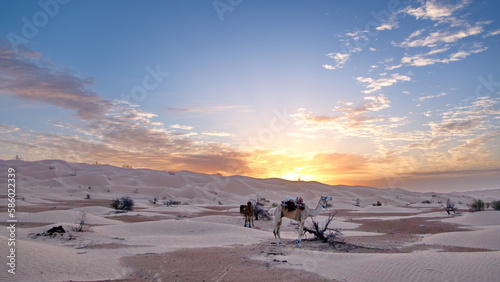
[292,204]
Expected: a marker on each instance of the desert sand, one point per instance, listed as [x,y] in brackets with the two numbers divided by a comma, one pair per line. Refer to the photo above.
[203,237]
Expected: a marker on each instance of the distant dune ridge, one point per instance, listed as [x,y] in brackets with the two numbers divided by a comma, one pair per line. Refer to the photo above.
[55,192]
[78,179]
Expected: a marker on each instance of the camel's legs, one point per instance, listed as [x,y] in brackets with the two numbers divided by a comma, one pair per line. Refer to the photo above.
[301,230]
[247,220]
[278,216]
[276,231]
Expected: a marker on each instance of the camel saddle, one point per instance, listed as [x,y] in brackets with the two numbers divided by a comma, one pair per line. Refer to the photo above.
[292,204]
[242,208]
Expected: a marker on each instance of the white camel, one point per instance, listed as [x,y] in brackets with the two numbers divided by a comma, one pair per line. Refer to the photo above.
[299,215]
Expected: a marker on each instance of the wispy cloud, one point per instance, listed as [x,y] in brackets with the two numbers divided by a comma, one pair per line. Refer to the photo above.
[26,77]
[442,36]
[210,109]
[446,40]
[107,131]
[439,56]
[389,24]
[439,11]
[340,60]
[217,134]
[184,127]
[8,129]
[469,125]
[351,119]
[492,33]
[432,96]
[377,84]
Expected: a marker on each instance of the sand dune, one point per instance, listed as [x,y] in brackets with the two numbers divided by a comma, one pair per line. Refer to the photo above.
[417,266]
[49,262]
[54,192]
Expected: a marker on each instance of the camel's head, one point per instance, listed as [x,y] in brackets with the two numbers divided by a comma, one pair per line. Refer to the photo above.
[324,200]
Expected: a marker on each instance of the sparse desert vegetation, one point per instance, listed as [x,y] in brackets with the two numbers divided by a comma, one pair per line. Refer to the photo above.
[124,203]
[477,205]
[495,205]
[82,224]
[211,227]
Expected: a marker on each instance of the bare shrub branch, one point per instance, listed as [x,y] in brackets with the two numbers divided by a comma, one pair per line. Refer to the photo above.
[324,233]
[81,223]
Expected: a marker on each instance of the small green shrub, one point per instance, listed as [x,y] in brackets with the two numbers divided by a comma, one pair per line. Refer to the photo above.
[115,204]
[124,203]
[495,205]
[477,205]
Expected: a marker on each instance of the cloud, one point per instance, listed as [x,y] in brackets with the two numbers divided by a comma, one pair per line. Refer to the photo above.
[26,77]
[434,10]
[478,141]
[456,127]
[475,151]
[370,104]
[390,24]
[348,110]
[430,144]
[214,158]
[108,131]
[217,134]
[341,163]
[229,162]
[356,35]
[420,99]
[184,127]
[386,26]
[340,60]
[8,129]
[458,138]
[446,39]
[443,36]
[209,109]
[311,166]
[432,57]
[351,119]
[377,84]
[463,130]
[492,33]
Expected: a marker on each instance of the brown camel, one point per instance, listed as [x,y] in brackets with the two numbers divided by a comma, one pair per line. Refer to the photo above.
[299,215]
[247,211]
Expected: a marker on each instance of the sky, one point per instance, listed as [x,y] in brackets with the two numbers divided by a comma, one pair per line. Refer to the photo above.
[388,94]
